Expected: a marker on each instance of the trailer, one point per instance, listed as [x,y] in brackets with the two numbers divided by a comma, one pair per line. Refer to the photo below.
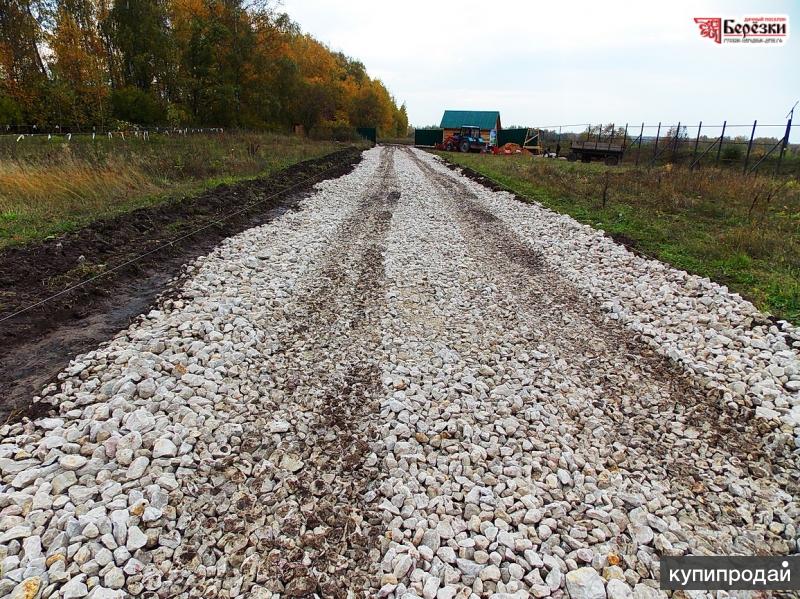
[586,151]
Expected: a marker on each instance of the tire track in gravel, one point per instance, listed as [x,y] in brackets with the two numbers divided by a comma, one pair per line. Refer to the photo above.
[299,521]
[665,426]
[437,429]
[40,342]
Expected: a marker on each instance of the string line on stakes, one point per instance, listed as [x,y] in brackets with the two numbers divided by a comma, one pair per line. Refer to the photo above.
[163,246]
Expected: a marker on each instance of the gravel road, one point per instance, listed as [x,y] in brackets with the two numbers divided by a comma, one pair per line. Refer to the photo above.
[412,387]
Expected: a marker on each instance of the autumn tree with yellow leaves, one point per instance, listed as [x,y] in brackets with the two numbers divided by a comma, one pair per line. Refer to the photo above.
[83,64]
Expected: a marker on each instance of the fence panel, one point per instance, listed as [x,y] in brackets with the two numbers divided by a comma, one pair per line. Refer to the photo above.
[368,133]
[511,136]
[428,137]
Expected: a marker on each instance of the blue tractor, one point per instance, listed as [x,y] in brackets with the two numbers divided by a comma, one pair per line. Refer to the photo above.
[468,139]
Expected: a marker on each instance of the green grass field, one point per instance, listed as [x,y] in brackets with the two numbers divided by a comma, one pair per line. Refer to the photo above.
[51,187]
[743,232]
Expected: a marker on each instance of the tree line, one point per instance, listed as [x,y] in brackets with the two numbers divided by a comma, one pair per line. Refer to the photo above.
[80,64]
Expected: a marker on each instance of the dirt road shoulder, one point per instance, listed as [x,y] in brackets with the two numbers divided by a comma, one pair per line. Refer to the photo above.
[39,342]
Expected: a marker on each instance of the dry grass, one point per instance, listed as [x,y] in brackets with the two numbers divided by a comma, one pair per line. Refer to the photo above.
[741,231]
[67,187]
[47,187]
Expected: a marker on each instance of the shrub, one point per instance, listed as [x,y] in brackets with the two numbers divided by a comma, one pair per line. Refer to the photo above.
[137,106]
[732,153]
[177,116]
[335,130]
[10,114]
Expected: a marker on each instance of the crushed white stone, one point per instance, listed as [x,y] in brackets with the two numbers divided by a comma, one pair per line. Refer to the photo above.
[529,410]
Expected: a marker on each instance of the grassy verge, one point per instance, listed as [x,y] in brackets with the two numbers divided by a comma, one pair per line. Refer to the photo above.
[743,232]
[51,187]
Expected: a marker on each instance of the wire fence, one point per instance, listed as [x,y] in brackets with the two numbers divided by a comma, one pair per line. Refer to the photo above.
[171,243]
[751,147]
[21,132]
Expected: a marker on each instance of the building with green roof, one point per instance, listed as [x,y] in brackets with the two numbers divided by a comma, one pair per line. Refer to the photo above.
[487,120]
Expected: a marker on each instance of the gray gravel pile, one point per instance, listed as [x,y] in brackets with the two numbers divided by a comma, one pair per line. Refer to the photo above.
[412,387]
[182,449]
[534,446]
[709,330]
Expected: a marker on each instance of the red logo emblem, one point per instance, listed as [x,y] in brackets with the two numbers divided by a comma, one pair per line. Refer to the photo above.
[710,28]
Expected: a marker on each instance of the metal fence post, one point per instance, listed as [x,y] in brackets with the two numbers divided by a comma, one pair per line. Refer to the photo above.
[655,146]
[721,137]
[624,143]
[675,142]
[639,149]
[785,142]
[696,142]
[749,147]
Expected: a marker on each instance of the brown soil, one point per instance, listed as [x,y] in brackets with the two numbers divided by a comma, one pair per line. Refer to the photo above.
[39,342]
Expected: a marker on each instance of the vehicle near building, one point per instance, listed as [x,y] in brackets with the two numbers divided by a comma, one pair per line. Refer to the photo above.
[488,121]
[467,139]
[481,128]
[586,151]
[594,147]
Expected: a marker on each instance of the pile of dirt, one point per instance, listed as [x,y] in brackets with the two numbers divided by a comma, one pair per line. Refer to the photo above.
[39,342]
[511,148]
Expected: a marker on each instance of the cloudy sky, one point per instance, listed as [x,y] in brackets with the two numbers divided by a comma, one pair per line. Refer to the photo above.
[562,62]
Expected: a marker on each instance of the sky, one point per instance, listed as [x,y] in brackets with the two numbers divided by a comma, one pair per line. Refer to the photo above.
[549,63]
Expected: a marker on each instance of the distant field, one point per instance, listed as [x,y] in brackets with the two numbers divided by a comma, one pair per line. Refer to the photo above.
[743,232]
[50,187]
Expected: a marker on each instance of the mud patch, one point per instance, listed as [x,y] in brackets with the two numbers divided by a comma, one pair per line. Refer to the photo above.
[344,311]
[323,527]
[628,242]
[483,223]
[39,343]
